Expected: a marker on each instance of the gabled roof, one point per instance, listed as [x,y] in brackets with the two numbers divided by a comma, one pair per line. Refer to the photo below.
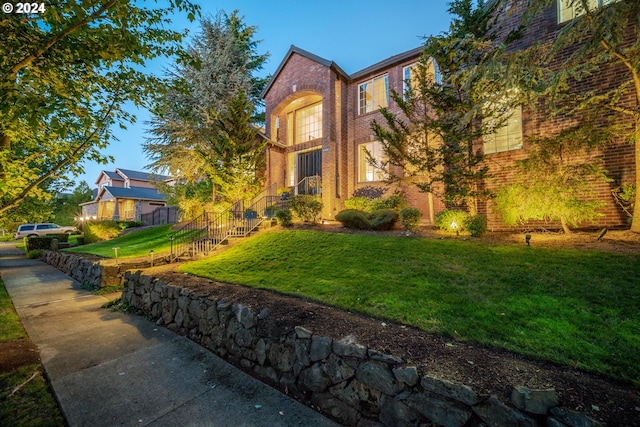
[294,49]
[110,175]
[134,193]
[387,63]
[140,176]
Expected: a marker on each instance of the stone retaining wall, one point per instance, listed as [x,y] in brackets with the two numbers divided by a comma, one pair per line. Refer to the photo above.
[92,274]
[351,383]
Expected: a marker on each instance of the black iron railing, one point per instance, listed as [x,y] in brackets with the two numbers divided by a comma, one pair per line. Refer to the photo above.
[208,231]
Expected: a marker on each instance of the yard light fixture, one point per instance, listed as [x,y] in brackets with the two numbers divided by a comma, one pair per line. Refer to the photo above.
[454,226]
[151,253]
[527,238]
[115,249]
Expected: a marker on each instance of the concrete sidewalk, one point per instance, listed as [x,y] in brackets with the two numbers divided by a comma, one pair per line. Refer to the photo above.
[110,368]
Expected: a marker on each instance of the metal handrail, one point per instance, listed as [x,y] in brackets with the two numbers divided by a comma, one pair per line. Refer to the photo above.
[310,185]
[208,231]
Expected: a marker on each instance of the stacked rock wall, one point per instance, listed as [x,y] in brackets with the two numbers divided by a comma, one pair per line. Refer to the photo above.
[351,383]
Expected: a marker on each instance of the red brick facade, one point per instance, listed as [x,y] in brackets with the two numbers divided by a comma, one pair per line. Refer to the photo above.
[304,79]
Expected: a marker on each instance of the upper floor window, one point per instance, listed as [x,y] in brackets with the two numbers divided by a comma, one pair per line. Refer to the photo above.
[368,172]
[569,9]
[373,95]
[508,136]
[411,75]
[304,124]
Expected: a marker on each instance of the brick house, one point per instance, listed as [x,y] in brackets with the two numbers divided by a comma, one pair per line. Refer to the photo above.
[124,195]
[318,119]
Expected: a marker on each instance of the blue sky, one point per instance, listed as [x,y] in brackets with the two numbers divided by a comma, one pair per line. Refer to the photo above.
[352,33]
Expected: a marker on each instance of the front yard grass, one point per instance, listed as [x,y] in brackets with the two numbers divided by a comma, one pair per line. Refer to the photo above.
[577,308]
[25,397]
[132,245]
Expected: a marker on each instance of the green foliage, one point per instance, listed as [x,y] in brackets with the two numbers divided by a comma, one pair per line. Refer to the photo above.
[410,218]
[35,254]
[306,207]
[393,201]
[10,326]
[99,231]
[555,182]
[205,128]
[284,217]
[66,75]
[359,203]
[37,243]
[353,218]
[382,219]
[577,308]
[625,197]
[476,225]
[451,220]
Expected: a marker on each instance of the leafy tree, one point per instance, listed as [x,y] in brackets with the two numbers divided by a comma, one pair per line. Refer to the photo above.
[204,128]
[65,75]
[555,182]
[66,207]
[600,38]
[434,138]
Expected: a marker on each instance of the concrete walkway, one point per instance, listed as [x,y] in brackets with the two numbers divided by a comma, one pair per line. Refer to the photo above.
[110,368]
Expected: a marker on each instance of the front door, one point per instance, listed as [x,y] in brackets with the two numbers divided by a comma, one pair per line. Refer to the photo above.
[309,172]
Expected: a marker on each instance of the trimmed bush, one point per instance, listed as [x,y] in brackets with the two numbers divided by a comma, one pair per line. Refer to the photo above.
[37,243]
[369,192]
[451,220]
[101,230]
[35,254]
[359,203]
[394,201]
[307,208]
[352,218]
[410,218]
[284,217]
[476,225]
[382,219]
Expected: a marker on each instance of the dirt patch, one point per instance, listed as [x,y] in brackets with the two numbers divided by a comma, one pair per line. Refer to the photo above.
[17,353]
[488,371]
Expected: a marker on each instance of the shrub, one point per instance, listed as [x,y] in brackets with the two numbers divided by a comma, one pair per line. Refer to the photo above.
[394,201]
[307,208]
[130,224]
[359,203]
[476,225]
[35,254]
[37,243]
[369,192]
[410,218]
[451,220]
[284,217]
[382,219]
[101,230]
[352,218]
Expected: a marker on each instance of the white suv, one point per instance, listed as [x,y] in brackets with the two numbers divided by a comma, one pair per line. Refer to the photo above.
[41,230]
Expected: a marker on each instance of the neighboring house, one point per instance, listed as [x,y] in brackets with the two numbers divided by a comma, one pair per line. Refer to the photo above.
[125,195]
[318,118]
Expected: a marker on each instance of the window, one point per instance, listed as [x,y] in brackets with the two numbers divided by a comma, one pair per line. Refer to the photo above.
[304,124]
[373,94]
[366,171]
[410,75]
[308,123]
[508,137]
[569,9]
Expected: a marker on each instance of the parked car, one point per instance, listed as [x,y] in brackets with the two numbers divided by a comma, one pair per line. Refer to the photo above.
[42,229]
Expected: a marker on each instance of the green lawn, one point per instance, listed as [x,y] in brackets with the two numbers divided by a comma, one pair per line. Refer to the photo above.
[33,403]
[578,308]
[132,245]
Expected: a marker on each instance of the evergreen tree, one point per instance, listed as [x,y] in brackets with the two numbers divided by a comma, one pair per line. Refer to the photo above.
[201,128]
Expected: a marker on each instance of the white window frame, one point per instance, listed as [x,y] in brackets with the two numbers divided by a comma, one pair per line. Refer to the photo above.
[513,139]
[366,171]
[375,103]
[406,75]
[568,11]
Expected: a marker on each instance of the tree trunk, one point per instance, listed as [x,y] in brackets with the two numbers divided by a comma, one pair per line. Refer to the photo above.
[635,221]
[565,227]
